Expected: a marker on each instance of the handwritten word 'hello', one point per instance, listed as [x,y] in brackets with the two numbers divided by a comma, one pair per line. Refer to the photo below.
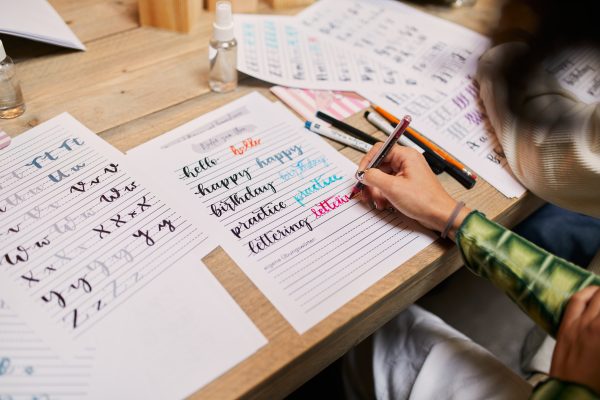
[329,205]
[281,157]
[246,145]
[317,185]
[204,164]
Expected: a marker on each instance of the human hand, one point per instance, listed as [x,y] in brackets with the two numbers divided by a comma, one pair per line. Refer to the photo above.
[405,182]
[577,353]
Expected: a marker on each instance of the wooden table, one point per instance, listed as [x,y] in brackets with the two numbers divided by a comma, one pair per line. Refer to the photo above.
[135,83]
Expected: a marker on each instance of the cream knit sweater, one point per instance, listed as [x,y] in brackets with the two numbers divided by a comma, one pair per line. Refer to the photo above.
[558,160]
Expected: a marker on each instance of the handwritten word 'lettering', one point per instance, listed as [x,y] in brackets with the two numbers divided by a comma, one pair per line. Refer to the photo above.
[258,215]
[281,157]
[317,184]
[245,146]
[329,205]
[231,203]
[231,180]
[273,236]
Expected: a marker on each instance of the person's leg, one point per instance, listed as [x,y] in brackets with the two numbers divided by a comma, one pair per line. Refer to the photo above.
[418,356]
[566,234]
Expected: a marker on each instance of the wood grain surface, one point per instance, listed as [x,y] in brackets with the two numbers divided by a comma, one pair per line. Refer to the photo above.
[134,83]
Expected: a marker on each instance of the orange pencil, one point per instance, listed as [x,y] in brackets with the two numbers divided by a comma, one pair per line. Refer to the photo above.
[427,142]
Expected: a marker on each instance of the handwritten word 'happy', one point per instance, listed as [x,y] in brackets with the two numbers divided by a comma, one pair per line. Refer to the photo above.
[281,157]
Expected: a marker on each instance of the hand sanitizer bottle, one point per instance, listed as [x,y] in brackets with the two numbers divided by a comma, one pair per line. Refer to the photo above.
[11,97]
[222,51]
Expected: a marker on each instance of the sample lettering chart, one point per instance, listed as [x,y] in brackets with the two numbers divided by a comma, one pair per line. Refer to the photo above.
[457,122]
[578,70]
[274,49]
[280,196]
[31,370]
[426,49]
[92,252]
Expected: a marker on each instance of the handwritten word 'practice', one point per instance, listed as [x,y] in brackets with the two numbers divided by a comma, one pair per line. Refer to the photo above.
[317,184]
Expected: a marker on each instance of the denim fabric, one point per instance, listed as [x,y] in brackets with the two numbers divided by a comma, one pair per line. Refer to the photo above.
[567,234]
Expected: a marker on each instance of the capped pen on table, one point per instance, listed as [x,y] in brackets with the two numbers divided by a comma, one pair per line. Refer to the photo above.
[449,158]
[338,136]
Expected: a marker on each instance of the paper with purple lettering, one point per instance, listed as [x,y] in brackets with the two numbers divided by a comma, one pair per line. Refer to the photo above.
[93,252]
[457,122]
[425,50]
[277,196]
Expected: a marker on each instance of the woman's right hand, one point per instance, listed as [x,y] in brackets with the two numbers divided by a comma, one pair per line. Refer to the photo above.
[405,182]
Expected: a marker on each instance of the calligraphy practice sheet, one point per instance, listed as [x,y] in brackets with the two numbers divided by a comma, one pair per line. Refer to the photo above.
[278,196]
[93,253]
[31,370]
[275,49]
[578,70]
[457,122]
[429,51]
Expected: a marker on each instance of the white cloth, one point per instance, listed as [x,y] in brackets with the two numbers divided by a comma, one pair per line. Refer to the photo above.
[418,356]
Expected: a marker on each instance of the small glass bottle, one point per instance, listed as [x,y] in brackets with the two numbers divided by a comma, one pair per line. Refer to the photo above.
[222,51]
[11,97]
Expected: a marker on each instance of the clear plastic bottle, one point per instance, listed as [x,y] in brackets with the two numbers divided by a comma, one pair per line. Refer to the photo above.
[11,97]
[222,51]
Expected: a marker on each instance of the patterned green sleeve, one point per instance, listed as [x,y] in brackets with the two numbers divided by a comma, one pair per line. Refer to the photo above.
[538,282]
[555,389]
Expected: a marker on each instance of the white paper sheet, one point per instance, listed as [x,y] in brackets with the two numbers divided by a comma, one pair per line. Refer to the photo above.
[277,196]
[31,370]
[275,49]
[94,253]
[578,70]
[36,20]
[456,122]
[429,51]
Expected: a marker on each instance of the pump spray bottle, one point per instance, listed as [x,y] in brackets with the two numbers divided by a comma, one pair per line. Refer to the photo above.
[222,51]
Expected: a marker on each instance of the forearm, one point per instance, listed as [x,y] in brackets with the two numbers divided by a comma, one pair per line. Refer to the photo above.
[538,282]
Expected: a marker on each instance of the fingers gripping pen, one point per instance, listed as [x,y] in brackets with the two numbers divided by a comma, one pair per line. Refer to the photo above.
[382,153]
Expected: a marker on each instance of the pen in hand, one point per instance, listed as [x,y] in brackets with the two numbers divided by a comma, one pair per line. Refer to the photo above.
[382,153]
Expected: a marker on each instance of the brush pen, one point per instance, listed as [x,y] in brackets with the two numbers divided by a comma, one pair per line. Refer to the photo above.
[382,153]
[338,136]
[344,127]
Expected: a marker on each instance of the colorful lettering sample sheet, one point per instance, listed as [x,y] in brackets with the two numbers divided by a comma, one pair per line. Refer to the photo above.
[277,195]
[426,49]
[29,369]
[275,49]
[92,254]
[578,70]
[457,122]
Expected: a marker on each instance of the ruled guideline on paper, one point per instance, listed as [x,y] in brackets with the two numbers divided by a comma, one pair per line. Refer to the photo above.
[277,196]
[29,369]
[93,253]
[457,122]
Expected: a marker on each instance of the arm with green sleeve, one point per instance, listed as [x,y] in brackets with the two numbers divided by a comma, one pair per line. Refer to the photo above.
[537,281]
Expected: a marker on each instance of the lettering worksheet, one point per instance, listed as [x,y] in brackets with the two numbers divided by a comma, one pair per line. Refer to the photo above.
[457,122]
[278,197]
[93,254]
[578,70]
[277,50]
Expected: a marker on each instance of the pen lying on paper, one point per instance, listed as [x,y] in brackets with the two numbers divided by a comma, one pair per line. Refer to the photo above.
[382,153]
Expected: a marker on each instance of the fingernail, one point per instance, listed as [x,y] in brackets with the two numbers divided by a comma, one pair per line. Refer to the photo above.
[360,175]
[375,205]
